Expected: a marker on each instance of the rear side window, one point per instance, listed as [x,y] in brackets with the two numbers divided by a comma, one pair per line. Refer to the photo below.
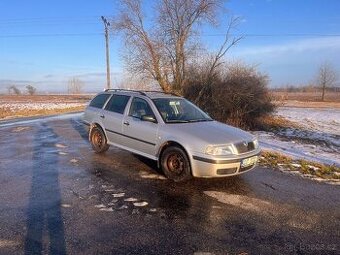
[99,101]
[117,103]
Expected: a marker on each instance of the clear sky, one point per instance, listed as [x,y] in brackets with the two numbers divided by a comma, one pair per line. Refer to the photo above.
[45,43]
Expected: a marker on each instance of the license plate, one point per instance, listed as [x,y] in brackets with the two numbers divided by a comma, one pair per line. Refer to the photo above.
[249,161]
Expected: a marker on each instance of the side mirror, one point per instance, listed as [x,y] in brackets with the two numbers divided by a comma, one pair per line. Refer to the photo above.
[149,118]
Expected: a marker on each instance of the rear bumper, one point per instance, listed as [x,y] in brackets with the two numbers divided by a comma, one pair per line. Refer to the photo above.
[221,167]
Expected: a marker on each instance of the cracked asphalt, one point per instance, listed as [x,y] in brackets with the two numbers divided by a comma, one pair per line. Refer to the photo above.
[58,197]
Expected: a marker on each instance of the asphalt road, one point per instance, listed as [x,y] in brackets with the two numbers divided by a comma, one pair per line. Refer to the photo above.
[58,197]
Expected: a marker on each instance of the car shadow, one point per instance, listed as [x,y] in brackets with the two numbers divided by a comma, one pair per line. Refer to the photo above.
[44,212]
[149,163]
[80,128]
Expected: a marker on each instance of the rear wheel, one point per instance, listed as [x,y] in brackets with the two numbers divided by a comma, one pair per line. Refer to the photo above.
[175,164]
[98,140]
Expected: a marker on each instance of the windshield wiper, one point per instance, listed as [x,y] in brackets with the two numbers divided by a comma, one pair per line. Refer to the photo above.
[200,120]
[177,121]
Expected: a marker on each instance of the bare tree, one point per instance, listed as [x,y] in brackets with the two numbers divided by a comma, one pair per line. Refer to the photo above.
[326,77]
[31,90]
[75,86]
[216,60]
[162,51]
[14,89]
[132,81]
[144,55]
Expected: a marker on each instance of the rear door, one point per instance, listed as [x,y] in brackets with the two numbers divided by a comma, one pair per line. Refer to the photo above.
[140,135]
[113,116]
[94,109]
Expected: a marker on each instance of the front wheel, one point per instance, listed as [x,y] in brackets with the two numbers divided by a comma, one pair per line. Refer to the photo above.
[175,164]
[98,140]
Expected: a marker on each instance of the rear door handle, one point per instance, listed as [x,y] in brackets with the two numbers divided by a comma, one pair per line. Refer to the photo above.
[102,116]
[126,123]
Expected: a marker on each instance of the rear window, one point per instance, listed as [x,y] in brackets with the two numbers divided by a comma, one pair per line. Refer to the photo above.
[99,101]
[117,103]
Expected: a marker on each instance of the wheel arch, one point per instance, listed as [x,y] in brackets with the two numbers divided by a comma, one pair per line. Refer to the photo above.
[168,144]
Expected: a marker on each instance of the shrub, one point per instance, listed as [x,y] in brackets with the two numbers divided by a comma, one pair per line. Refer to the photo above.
[236,94]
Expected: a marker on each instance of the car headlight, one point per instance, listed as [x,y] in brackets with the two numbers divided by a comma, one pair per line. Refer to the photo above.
[220,150]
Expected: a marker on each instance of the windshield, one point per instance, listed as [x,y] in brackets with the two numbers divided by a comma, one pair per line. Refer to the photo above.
[177,110]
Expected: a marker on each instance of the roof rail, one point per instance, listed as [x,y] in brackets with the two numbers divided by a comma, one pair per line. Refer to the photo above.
[141,92]
[127,90]
[161,92]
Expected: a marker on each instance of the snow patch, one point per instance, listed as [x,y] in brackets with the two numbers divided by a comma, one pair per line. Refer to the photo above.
[140,204]
[295,165]
[109,190]
[152,176]
[59,145]
[317,139]
[106,209]
[118,194]
[100,206]
[74,160]
[131,199]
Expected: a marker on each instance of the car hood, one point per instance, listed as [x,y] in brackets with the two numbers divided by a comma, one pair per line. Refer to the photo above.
[210,132]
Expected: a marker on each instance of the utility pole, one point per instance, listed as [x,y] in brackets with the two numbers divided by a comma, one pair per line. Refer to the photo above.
[106,26]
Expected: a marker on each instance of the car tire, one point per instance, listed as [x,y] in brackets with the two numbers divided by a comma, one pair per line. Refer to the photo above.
[98,140]
[175,164]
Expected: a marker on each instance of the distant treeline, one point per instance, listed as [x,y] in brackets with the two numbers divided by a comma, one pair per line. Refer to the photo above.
[308,88]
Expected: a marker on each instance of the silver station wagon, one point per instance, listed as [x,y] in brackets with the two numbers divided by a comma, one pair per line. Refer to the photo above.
[182,138]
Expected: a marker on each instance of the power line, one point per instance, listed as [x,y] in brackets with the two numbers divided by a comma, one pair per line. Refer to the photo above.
[276,35]
[95,17]
[51,35]
[40,19]
[203,35]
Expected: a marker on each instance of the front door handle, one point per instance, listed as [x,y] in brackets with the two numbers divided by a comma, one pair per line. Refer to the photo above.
[102,116]
[126,123]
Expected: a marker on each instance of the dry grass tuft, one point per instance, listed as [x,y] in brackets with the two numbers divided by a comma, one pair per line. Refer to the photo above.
[280,161]
[274,123]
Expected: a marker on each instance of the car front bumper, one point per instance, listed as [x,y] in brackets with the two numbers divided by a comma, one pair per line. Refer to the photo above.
[203,166]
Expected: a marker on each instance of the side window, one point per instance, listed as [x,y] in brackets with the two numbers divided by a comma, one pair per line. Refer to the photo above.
[117,103]
[99,100]
[139,107]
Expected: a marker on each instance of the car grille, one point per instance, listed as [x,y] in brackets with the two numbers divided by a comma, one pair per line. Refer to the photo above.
[244,147]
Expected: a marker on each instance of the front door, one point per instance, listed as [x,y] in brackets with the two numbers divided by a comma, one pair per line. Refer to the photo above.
[140,135]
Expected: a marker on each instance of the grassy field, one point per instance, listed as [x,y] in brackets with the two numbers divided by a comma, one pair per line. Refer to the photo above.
[306,96]
[13,106]
[306,99]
